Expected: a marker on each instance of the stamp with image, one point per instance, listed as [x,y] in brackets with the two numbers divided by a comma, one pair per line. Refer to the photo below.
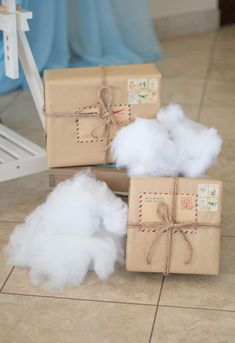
[213,190]
[202,190]
[213,204]
[143,97]
[132,85]
[187,202]
[202,204]
[142,84]
[133,98]
[153,97]
[153,84]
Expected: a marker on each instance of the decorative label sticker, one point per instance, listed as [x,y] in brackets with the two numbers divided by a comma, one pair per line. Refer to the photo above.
[142,84]
[202,190]
[187,202]
[133,98]
[84,128]
[148,203]
[143,97]
[153,97]
[208,197]
[142,91]
[212,204]
[132,85]
[213,190]
[202,204]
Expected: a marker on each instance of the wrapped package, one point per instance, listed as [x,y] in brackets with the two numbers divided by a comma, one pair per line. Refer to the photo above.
[85,107]
[174,225]
[117,179]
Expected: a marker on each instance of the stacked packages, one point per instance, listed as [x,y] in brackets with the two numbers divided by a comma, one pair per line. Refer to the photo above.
[108,114]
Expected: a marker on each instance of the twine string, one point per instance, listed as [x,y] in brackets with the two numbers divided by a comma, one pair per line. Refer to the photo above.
[108,120]
[169,225]
[105,104]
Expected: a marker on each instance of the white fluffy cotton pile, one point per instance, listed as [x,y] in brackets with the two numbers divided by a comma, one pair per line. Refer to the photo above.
[197,145]
[171,145]
[80,227]
[144,147]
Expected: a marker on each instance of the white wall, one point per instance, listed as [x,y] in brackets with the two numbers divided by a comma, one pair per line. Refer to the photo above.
[168,8]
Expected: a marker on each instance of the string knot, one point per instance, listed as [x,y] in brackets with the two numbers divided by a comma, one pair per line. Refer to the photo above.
[104,101]
[169,225]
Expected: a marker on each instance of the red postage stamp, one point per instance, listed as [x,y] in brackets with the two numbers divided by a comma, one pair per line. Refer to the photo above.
[187,202]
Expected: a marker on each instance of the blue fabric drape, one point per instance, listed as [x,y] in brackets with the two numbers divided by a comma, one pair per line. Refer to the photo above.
[85,33]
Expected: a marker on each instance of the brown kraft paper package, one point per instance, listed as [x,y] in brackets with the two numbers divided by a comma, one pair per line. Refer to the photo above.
[85,107]
[174,225]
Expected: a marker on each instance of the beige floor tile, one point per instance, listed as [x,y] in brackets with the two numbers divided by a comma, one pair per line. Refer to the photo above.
[220,94]
[224,169]
[223,62]
[20,196]
[121,287]
[6,99]
[228,217]
[211,292]
[224,48]
[181,325]
[186,92]
[222,118]
[43,320]
[186,44]
[226,33]
[22,117]
[186,57]
[5,229]
[181,66]
[223,65]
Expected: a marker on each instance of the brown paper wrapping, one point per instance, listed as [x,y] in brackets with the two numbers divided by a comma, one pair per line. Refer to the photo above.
[116,179]
[73,139]
[197,201]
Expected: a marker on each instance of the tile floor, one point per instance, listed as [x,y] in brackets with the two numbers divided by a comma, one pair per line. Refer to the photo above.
[199,73]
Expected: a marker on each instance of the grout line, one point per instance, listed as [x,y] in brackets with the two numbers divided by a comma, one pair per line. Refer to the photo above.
[76,299]
[10,103]
[204,87]
[156,311]
[197,308]
[4,283]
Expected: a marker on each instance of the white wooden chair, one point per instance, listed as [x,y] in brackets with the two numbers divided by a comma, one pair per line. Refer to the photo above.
[18,155]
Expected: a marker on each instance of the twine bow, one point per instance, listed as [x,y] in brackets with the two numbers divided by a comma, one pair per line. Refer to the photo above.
[107,114]
[169,226]
[105,102]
